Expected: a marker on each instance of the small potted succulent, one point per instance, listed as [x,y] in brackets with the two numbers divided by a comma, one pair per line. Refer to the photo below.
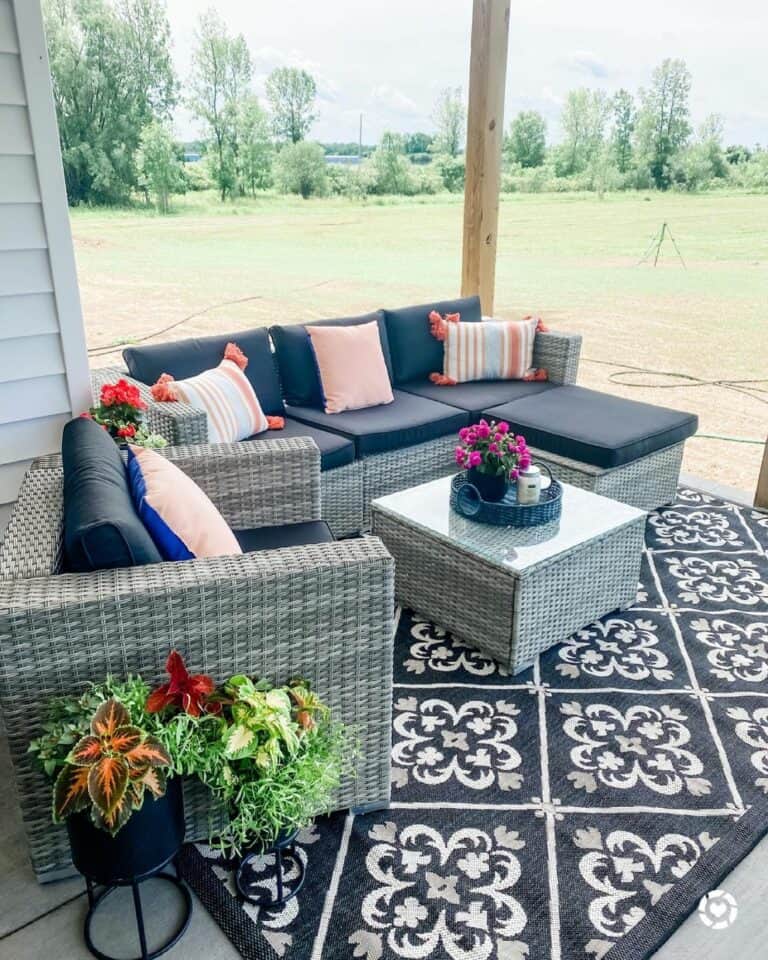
[120,412]
[492,457]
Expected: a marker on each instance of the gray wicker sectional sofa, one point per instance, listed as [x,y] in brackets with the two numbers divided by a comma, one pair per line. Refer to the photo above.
[621,448]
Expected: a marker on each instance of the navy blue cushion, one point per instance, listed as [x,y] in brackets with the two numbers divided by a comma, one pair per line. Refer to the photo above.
[335,450]
[477,396]
[595,428]
[415,352]
[288,535]
[187,358]
[391,426]
[296,358]
[101,527]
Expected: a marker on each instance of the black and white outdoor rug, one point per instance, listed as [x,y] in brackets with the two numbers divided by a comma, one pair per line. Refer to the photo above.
[575,811]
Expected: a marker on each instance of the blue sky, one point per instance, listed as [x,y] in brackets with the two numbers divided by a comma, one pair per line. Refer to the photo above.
[390,59]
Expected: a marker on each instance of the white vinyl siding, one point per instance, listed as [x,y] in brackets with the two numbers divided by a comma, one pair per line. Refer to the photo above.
[43,365]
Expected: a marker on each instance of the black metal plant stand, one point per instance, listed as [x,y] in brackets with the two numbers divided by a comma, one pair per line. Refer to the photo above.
[95,901]
[253,883]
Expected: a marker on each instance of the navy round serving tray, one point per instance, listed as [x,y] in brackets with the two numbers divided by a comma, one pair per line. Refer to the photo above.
[466,500]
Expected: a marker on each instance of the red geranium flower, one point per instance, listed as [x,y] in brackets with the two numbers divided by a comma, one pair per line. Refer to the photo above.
[188,692]
[127,431]
[122,393]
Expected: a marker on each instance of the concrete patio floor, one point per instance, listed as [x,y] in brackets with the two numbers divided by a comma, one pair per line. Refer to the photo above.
[45,922]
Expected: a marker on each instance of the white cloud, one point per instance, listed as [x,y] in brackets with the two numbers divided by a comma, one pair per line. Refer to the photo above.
[583,61]
[393,100]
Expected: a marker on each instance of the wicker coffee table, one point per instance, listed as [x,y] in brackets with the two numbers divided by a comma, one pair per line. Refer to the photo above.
[512,592]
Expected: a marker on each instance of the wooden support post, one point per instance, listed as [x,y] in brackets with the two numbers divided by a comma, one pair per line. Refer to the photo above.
[485,133]
[761,494]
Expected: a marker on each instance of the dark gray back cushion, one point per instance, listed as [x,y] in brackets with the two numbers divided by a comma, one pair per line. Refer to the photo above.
[101,527]
[296,358]
[187,358]
[415,352]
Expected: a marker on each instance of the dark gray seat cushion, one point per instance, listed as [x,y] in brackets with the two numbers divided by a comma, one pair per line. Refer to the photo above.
[187,358]
[296,358]
[595,428]
[477,396]
[407,420]
[415,352]
[288,535]
[335,450]
[101,527]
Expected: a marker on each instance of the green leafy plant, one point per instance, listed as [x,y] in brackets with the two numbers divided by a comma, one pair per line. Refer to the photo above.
[110,769]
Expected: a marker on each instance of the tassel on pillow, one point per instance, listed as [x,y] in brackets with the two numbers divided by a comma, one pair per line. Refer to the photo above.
[437,323]
[440,380]
[235,354]
[162,391]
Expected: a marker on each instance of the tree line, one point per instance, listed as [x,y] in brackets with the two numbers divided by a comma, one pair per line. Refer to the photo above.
[628,141]
[115,91]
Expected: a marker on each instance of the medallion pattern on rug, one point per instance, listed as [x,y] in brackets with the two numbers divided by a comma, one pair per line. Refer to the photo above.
[545,815]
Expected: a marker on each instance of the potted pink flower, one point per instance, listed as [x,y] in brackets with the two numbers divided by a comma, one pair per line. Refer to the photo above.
[492,457]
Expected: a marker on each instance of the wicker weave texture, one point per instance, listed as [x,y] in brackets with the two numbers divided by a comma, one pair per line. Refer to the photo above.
[558,353]
[513,618]
[342,498]
[647,483]
[396,470]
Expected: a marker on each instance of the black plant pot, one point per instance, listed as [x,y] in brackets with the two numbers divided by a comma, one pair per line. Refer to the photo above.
[490,486]
[147,843]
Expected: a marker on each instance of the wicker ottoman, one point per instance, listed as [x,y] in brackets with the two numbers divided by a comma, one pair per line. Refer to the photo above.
[512,592]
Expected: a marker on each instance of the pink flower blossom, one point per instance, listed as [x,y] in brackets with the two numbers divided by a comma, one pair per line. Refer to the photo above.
[461,456]
[483,430]
[502,427]
[514,474]
[464,434]
[493,448]
[525,461]
[475,459]
[520,441]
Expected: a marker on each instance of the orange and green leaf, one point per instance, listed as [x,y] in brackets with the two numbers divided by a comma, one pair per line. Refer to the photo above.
[150,752]
[70,793]
[107,783]
[110,715]
[155,781]
[85,752]
[124,740]
[115,819]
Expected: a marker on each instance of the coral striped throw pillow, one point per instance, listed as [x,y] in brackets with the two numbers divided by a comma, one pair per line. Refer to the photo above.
[490,350]
[225,395]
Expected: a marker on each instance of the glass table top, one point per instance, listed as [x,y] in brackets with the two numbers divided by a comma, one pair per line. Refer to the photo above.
[585,516]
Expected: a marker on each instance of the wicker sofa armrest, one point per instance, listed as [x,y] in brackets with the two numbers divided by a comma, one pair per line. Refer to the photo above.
[558,353]
[324,611]
[178,422]
[260,484]
[33,541]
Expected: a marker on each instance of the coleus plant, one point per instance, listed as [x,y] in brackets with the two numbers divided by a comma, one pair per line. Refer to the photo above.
[110,769]
[267,722]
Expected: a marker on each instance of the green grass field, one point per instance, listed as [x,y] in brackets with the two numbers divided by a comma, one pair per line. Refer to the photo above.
[571,258]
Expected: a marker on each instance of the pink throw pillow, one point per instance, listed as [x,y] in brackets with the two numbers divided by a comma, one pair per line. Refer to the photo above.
[180,518]
[352,369]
